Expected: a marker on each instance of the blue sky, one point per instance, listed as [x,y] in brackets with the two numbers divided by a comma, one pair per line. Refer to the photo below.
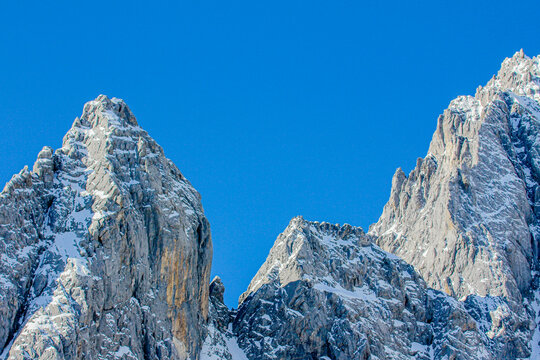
[270,109]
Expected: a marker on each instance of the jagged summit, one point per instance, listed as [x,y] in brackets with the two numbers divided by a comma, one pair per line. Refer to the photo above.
[466,217]
[300,222]
[296,244]
[105,248]
[466,222]
[519,74]
[118,111]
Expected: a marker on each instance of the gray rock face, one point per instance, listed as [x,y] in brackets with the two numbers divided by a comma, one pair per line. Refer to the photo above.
[220,343]
[106,251]
[467,216]
[328,292]
[466,219]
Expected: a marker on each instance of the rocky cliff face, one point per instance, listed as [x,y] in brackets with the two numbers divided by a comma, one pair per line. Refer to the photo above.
[221,343]
[467,216]
[105,249]
[466,219]
[328,292]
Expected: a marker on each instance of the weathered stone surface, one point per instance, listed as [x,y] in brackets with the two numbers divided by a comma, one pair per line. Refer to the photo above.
[220,342]
[106,251]
[467,216]
[328,292]
[466,219]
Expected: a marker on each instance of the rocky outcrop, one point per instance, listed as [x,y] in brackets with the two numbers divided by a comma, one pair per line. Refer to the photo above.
[467,216]
[106,251]
[220,343]
[328,292]
[465,219]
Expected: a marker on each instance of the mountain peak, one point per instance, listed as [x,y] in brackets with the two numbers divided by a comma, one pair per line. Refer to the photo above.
[109,223]
[105,111]
[520,54]
[519,74]
[293,253]
[473,201]
[107,132]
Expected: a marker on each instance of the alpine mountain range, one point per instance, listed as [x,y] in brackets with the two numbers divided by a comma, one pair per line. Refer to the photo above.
[105,251]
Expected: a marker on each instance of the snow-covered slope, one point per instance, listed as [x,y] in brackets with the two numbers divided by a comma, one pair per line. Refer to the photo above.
[105,250]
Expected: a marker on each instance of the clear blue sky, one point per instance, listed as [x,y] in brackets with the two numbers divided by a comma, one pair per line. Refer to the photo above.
[271,109]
